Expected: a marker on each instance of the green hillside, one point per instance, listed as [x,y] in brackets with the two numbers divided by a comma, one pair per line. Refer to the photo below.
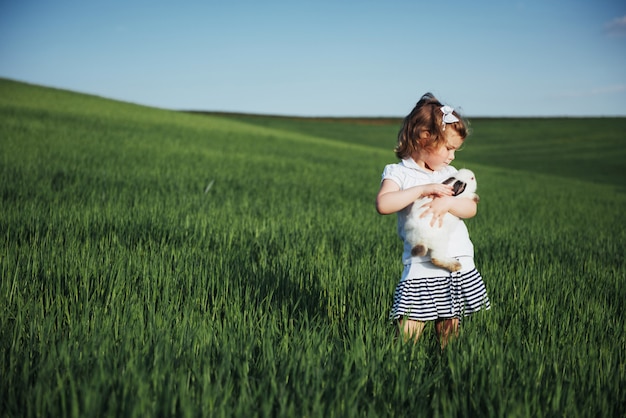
[590,149]
[160,263]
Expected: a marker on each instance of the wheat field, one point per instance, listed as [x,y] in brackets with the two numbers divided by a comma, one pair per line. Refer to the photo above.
[160,263]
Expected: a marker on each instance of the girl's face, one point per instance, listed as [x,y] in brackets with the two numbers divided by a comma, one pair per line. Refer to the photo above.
[437,158]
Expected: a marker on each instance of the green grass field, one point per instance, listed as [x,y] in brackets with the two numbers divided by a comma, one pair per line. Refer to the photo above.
[159,263]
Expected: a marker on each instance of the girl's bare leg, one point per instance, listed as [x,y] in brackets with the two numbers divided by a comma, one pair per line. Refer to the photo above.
[446,330]
[410,329]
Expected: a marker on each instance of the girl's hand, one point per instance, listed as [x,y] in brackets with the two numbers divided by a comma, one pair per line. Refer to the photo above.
[438,207]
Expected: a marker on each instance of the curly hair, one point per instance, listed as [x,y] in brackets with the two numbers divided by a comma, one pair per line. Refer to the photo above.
[426,116]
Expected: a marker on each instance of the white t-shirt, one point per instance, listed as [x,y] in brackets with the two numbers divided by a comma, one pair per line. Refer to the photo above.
[408,174]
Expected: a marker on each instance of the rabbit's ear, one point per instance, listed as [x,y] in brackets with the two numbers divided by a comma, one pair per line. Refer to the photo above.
[458,187]
[450,180]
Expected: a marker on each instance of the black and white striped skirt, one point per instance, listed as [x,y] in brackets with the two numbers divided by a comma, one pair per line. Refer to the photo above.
[451,295]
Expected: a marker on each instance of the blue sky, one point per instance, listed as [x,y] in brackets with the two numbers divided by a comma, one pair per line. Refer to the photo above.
[325,57]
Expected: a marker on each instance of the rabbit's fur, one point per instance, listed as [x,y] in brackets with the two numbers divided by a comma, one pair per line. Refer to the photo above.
[425,238]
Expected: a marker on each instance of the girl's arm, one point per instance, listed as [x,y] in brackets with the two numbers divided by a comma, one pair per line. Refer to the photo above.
[391,199]
[463,207]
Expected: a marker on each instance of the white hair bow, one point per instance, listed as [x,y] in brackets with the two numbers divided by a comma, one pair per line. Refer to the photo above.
[448,116]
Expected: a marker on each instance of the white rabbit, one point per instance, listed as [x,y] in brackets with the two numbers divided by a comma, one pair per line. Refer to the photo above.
[425,238]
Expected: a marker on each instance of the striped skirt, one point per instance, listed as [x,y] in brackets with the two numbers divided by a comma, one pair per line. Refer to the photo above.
[453,295]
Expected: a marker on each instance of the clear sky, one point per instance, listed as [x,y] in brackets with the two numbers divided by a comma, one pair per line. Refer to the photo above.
[326,57]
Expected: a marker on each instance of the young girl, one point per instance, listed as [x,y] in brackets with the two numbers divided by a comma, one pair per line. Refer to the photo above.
[430,135]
